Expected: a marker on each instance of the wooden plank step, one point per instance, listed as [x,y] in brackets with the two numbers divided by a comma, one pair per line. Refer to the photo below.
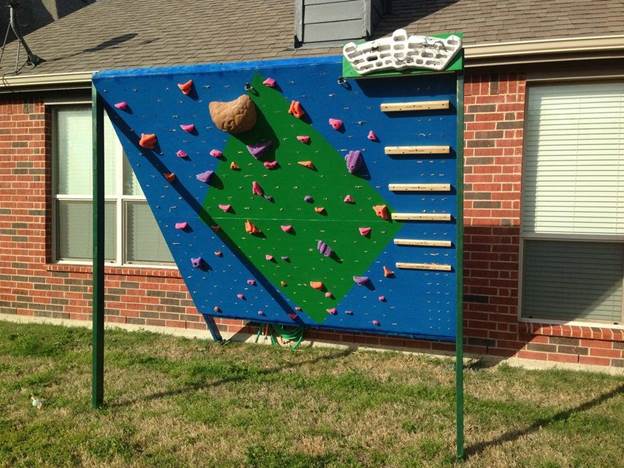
[424,266]
[414,106]
[417,149]
[421,216]
[419,187]
[423,243]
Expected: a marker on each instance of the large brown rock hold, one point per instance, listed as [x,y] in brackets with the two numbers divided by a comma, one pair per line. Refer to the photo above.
[235,116]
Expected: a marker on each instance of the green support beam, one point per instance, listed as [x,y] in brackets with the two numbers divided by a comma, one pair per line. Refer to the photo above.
[97,389]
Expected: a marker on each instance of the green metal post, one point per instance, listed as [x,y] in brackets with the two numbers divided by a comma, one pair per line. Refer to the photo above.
[459,340]
[97,389]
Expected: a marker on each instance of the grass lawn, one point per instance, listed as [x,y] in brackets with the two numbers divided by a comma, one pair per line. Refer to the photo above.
[173,401]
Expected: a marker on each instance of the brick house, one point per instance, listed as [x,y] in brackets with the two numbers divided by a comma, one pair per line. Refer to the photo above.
[544,163]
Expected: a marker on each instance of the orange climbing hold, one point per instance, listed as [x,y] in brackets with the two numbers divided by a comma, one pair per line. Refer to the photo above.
[382,211]
[308,164]
[319,209]
[170,176]
[318,285]
[234,166]
[295,109]
[148,140]
[388,273]
[250,228]
[186,88]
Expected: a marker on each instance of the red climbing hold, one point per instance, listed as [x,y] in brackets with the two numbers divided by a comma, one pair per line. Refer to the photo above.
[336,124]
[382,211]
[256,189]
[123,105]
[186,88]
[318,285]
[188,128]
[295,109]
[215,153]
[365,231]
[181,154]
[270,165]
[170,176]
[269,82]
[305,139]
[148,140]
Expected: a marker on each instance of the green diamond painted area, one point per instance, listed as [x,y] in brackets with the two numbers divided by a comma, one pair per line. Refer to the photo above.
[295,258]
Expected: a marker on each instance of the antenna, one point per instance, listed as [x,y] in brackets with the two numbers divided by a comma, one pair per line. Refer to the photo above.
[31,59]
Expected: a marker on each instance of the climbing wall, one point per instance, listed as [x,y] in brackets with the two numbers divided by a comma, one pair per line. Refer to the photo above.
[334,207]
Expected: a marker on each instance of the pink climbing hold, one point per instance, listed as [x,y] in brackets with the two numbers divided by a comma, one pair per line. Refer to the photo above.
[354,161]
[259,148]
[181,226]
[240,296]
[186,87]
[215,153]
[225,208]
[305,139]
[336,124]
[256,189]
[372,136]
[123,105]
[332,311]
[181,154]
[348,199]
[251,282]
[323,248]
[382,298]
[376,323]
[361,280]
[270,165]
[365,231]
[286,227]
[269,258]
[269,82]
[204,176]
[188,128]
[329,295]
[196,261]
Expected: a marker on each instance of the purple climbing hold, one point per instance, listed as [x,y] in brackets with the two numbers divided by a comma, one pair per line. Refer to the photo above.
[382,298]
[354,161]
[204,176]
[261,312]
[196,262]
[376,323]
[240,296]
[259,148]
[361,280]
[308,199]
[348,312]
[123,105]
[188,128]
[181,154]
[251,282]
[323,248]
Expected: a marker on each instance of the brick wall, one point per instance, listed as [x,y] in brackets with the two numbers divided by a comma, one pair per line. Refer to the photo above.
[31,285]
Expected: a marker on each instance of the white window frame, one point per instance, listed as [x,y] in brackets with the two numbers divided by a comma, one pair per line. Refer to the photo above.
[523,237]
[120,200]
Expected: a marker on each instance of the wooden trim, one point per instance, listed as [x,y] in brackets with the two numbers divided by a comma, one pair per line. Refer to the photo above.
[419,187]
[424,266]
[423,243]
[413,106]
[421,216]
[417,149]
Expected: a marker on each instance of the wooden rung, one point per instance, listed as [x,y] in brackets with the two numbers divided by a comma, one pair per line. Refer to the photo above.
[424,266]
[421,216]
[419,187]
[423,242]
[417,149]
[413,106]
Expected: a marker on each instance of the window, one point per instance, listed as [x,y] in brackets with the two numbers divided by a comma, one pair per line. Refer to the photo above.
[132,235]
[573,203]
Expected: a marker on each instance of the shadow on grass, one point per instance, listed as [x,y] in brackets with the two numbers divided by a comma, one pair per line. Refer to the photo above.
[540,423]
[235,378]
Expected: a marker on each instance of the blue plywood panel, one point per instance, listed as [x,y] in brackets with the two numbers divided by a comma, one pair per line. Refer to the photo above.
[418,303]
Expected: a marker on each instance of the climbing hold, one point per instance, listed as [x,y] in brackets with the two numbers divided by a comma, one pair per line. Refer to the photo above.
[256,189]
[348,312]
[218,253]
[304,139]
[295,109]
[323,248]
[188,128]
[251,282]
[308,199]
[260,312]
[292,316]
[286,227]
[148,140]
[382,298]
[225,208]
[336,124]
[170,176]
[215,228]
[298,308]
[268,198]
[388,273]
[181,154]
[181,226]
[269,82]
[259,148]
[361,280]
[381,211]
[354,161]
[123,105]
[240,296]
[319,209]
[186,88]
[283,284]
[318,285]
[269,257]
[196,261]
[285,258]
[376,323]
[215,153]
[216,309]
[204,176]
[348,199]
[329,295]
[332,311]
[372,136]
[250,228]
[365,231]
[308,164]
[235,116]
[270,165]
[234,166]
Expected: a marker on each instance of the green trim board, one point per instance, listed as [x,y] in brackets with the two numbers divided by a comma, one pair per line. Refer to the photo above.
[456,65]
